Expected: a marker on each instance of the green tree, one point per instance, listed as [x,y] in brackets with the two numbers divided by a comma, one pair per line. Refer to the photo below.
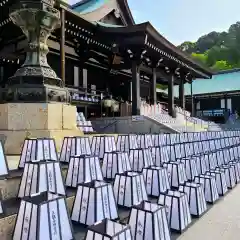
[200,57]
[221,65]
[217,50]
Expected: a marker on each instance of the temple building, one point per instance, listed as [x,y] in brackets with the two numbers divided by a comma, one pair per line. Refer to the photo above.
[217,98]
[99,52]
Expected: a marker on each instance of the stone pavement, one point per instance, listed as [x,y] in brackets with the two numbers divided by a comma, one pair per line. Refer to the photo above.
[221,222]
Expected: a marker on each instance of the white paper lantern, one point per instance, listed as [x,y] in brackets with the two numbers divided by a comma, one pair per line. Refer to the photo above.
[196,198]
[190,167]
[140,158]
[156,180]
[126,142]
[144,141]
[209,187]
[83,169]
[102,144]
[116,162]
[38,149]
[160,140]
[159,155]
[1,206]
[94,202]
[108,230]
[41,177]
[230,175]
[4,170]
[43,217]
[201,162]
[129,189]
[236,166]
[176,173]
[221,181]
[178,211]
[149,221]
[73,146]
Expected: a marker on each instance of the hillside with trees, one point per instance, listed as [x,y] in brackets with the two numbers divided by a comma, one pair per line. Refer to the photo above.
[217,50]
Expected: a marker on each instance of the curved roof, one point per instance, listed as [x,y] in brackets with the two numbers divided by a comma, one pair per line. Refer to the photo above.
[162,45]
[85,7]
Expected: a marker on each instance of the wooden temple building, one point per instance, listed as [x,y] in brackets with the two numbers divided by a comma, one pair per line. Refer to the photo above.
[99,51]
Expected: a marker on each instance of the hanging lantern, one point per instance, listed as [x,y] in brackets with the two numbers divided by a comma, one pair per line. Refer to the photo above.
[156,179]
[221,181]
[102,144]
[83,169]
[94,202]
[43,217]
[107,103]
[230,175]
[115,106]
[144,141]
[190,167]
[176,173]
[40,177]
[209,186]
[159,155]
[140,158]
[129,189]
[38,149]
[126,142]
[73,146]
[109,230]
[149,221]
[178,211]
[4,170]
[115,162]
[196,198]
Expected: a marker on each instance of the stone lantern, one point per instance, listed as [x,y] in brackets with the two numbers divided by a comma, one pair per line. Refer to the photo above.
[35,80]
[34,102]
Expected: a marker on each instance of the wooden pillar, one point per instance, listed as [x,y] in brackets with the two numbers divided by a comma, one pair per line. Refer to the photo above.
[171,96]
[181,94]
[130,91]
[62,46]
[1,75]
[192,100]
[154,87]
[135,89]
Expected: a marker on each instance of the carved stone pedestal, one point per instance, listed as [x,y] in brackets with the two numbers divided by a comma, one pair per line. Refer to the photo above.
[31,120]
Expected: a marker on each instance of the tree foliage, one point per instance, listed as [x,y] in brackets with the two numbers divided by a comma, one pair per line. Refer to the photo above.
[219,51]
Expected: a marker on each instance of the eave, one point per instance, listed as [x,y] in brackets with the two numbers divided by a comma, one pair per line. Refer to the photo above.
[148,38]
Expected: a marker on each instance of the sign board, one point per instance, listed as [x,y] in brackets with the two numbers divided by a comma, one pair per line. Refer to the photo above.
[139,118]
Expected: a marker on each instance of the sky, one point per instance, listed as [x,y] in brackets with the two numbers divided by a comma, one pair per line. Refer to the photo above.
[185,20]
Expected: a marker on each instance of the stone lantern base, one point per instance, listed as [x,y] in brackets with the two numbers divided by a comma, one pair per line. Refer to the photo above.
[36,120]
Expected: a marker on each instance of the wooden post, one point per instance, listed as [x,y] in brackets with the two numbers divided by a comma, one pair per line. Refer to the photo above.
[171,96]
[154,87]
[135,89]
[181,94]
[62,46]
